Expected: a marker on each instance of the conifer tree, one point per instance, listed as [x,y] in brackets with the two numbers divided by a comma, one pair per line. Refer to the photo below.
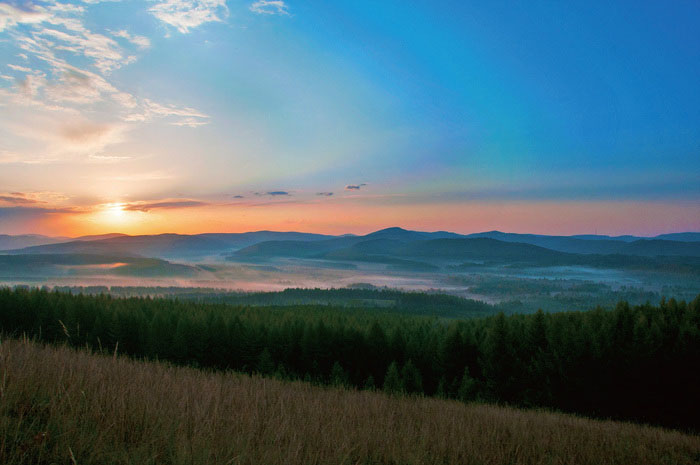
[392,380]
[412,381]
[467,387]
[265,365]
[338,376]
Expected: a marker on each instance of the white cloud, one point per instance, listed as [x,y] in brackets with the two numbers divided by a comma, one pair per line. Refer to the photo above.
[30,85]
[184,116]
[140,41]
[67,106]
[184,15]
[269,7]
[11,16]
[23,69]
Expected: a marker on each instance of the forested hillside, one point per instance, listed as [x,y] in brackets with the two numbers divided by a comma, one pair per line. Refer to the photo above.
[636,363]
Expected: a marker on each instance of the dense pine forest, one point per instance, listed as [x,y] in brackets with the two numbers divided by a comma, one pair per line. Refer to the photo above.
[635,362]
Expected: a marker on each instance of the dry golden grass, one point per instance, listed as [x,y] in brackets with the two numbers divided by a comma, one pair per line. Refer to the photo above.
[62,406]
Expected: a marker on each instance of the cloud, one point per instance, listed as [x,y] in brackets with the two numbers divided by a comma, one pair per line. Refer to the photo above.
[140,41]
[169,204]
[87,133]
[238,197]
[269,7]
[81,137]
[16,199]
[29,86]
[354,187]
[30,212]
[71,85]
[23,69]
[12,16]
[190,122]
[25,198]
[180,116]
[325,194]
[184,15]
[58,27]
[272,193]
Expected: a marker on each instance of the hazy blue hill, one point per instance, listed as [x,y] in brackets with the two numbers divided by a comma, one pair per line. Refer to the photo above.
[376,246]
[241,240]
[395,242]
[61,259]
[173,246]
[479,249]
[400,234]
[558,243]
[97,237]
[627,245]
[655,247]
[680,237]
[76,264]
[8,242]
[298,249]
[602,237]
[168,246]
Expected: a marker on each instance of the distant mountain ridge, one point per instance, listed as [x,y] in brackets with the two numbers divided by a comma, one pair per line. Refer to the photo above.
[398,243]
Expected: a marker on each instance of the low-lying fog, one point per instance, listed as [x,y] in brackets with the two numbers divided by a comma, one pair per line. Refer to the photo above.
[521,289]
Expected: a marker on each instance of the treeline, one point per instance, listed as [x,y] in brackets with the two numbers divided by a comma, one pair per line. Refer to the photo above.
[414,303]
[636,363]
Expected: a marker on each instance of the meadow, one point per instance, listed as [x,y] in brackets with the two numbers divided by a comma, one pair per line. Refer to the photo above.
[61,405]
[631,363]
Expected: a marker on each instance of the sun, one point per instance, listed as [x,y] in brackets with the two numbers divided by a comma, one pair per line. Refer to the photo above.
[113,215]
[115,211]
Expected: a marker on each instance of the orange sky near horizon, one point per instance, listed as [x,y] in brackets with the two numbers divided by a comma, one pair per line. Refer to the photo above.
[555,218]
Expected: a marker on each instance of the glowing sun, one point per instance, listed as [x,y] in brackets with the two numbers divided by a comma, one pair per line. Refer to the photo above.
[115,211]
[113,214]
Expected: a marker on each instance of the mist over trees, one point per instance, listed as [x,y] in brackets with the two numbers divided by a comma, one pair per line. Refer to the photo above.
[634,362]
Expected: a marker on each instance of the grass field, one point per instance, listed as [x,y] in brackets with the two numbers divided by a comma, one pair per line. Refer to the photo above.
[62,406]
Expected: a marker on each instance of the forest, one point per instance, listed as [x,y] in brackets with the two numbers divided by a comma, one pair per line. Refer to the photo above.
[635,363]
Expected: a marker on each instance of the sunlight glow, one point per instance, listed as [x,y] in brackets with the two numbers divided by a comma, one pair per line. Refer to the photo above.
[115,211]
[114,216]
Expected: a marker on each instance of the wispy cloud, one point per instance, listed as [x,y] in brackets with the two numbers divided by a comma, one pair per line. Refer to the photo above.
[23,69]
[269,7]
[167,204]
[26,212]
[325,194]
[181,116]
[184,15]
[272,193]
[63,95]
[31,198]
[12,16]
[16,200]
[140,41]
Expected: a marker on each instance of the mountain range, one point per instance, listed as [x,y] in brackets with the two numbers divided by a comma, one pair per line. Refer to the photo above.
[272,243]
[395,247]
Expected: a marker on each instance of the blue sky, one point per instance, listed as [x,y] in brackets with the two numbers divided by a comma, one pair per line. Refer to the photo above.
[463,106]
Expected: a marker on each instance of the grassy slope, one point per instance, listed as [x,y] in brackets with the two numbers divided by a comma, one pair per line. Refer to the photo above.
[61,406]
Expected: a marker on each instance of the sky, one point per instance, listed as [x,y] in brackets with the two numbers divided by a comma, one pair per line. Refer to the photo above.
[195,116]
